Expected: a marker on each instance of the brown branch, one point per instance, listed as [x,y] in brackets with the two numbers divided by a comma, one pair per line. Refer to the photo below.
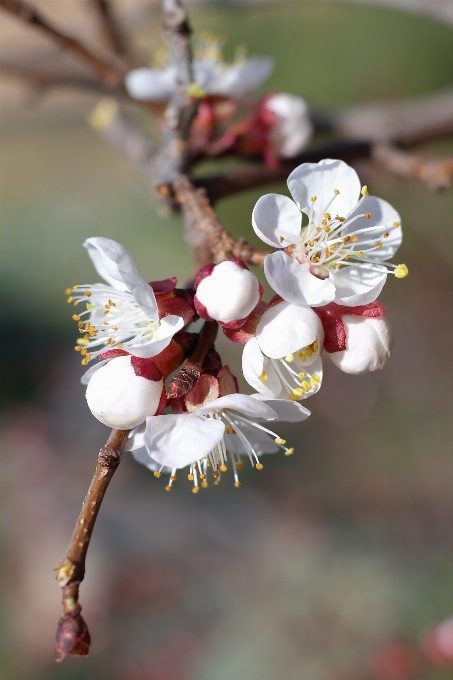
[114,38]
[72,633]
[204,233]
[175,152]
[436,172]
[185,378]
[257,174]
[111,74]
[42,79]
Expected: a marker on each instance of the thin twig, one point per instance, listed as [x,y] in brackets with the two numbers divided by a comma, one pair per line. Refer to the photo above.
[71,570]
[111,74]
[114,38]
[437,173]
[209,239]
[187,376]
[44,79]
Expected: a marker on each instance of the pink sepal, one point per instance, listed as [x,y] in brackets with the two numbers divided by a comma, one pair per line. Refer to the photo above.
[175,306]
[201,309]
[203,273]
[205,390]
[112,353]
[145,368]
[227,382]
[163,287]
[332,323]
[162,403]
[248,329]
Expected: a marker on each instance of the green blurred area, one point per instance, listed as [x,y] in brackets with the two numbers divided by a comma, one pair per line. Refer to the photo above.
[359,523]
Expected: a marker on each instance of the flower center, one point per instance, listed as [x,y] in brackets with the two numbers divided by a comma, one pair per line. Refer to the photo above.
[111,319]
[295,373]
[328,248]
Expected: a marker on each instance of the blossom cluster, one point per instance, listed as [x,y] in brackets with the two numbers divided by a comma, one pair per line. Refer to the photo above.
[332,245]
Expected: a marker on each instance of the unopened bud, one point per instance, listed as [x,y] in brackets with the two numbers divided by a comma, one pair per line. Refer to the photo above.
[368,344]
[72,637]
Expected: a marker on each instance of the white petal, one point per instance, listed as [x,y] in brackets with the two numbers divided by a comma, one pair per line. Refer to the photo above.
[136,438]
[321,180]
[169,325]
[293,128]
[229,293]
[142,456]
[368,345]
[259,440]
[179,440]
[239,402]
[286,328]
[287,411]
[143,294]
[107,257]
[295,283]
[274,217]
[86,377]
[358,285]
[242,77]
[253,365]
[383,215]
[148,84]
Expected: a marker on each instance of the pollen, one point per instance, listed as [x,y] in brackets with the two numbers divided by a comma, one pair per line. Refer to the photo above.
[313,199]
[280,441]
[239,464]
[289,358]
[314,380]
[68,291]
[70,299]
[190,477]
[355,239]
[289,452]
[326,229]
[238,485]
[306,385]
[157,474]
[76,317]
[327,216]
[386,234]
[301,376]
[168,487]
[228,429]
[361,254]
[368,215]
[401,271]
[223,468]
[378,244]
[88,293]
[263,377]
[204,484]
[298,392]
[259,466]
[336,192]
[396,224]
[364,190]
[281,239]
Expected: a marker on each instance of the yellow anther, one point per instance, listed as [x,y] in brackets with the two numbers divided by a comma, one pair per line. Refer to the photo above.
[301,376]
[324,221]
[228,429]
[88,356]
[89,306]
[326,229]
[204,484]
[355,239]
[77,348]
[80,324]
[202,476]
[289,452]
[386,234]
[338,266]
[314,380]
[189,477]
[215,474]
[83,351]
[238,485]
[401,271]
[217,482]
[298,392]
[361,253]
[168,487]
[76,317]
[280,441]
[316,259]
[396,224]
[368,215]
[336,192]
[70,299]
[294,397]
[68,291]
[309,351]
[263,377]
[347,257]
[119,345]
[106,311]
[104,113]
[82,341]
[157,474]
[88,293]
[289,249]
[315,346]
[333,247]
[364,190]
[259,466]
[311,244]
[75,287]
[306,385]
[84,362]
[173,477]
[289,358]
[302,356]
[112,303]
[115,328]
[318,229]
[240,464]
[110,341]
[107,306]
[327,216]
[194,90]
[223,468]
[281,239]
[378,244]
[313,199]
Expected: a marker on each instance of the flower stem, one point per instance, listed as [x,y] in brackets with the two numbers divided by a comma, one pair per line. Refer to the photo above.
[71,570]
[185,379]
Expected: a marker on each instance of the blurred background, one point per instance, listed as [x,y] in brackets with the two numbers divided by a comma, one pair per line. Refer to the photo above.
[328,565]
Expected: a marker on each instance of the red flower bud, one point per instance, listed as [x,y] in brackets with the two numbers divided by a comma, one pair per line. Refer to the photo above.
[72,637]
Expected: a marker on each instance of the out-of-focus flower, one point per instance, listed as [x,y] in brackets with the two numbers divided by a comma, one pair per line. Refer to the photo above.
[211,74]
[123,314]
[218,426]
[395,661]
[281,357]
[227,292]
[357,339]
[124,391]
[341,255]
[437,643]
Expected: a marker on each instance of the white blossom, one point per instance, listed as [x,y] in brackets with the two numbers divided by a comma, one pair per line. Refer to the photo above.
[292,127]
[369,343]
[342,253]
